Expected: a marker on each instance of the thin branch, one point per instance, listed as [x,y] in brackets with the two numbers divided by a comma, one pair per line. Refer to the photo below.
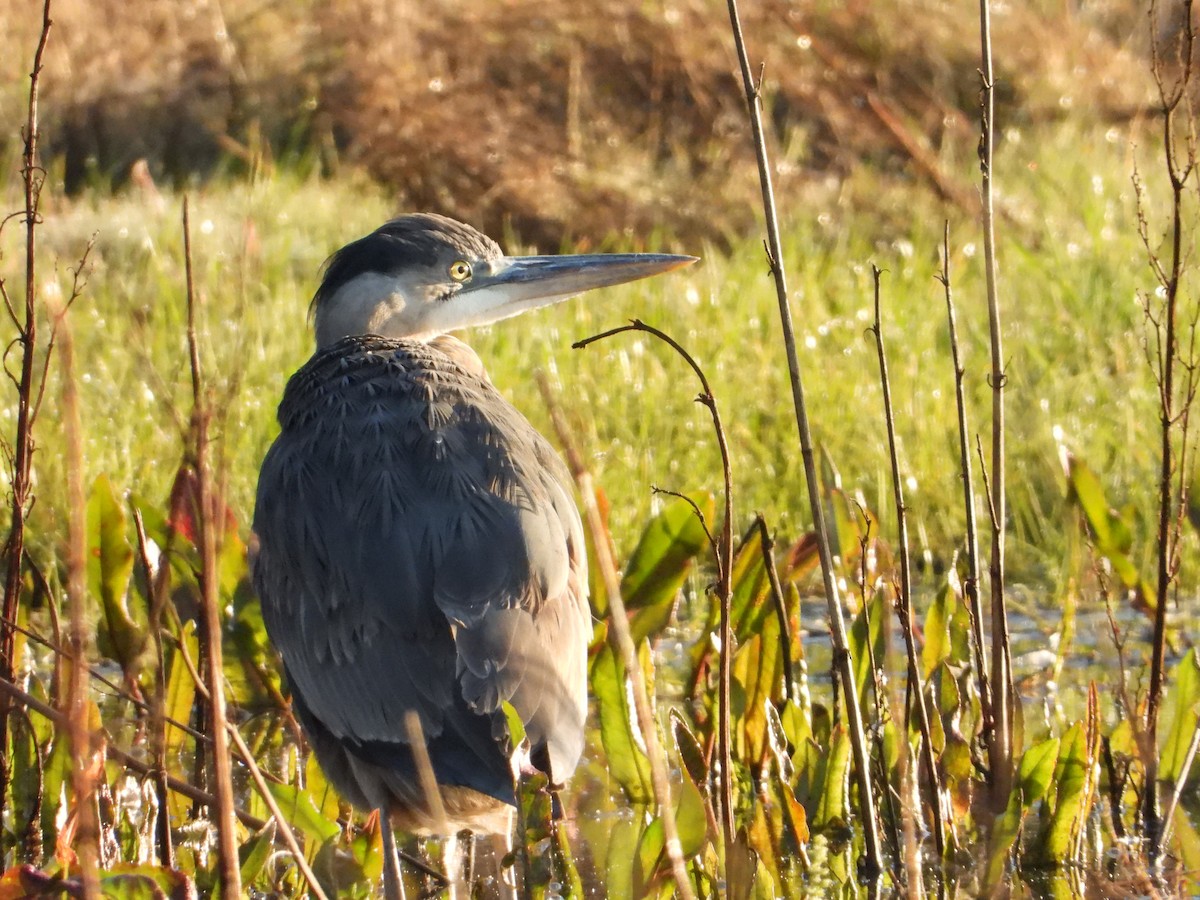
[21,467]
[724,560]
[873,862]
[785,625]
[971,587]
[1001,749]
[904,590]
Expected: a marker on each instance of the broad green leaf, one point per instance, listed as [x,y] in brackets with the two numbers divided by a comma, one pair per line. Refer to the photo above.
[649,857]
[937,631]
[1184,699]
[691,821]
[297,807]
[691,754]
[180,689]
[1036,772]
[122,634]
[320,791]
[832,800]
[624,840]
[1034,777]
[757,674]
[516,728]
[253,854]
[1071,777]
[619,732]
[864,653]
[664,552]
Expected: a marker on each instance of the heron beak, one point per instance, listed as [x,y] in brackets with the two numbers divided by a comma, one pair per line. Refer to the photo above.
[514,284]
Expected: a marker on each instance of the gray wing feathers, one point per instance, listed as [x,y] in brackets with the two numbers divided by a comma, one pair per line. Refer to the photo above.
[418,545]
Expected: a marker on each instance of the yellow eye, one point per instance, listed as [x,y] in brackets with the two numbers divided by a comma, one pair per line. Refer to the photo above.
[460,270]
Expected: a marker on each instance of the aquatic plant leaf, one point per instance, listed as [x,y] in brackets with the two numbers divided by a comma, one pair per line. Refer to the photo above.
[660,562]
[297,807]
[832,796]
[123,630]
[619,732]
[1184,699]
[938,646]
[625,838]
[1034,776]
[691,820]
[867,649]
[757,669]
[126,881]
[320,791]
[1036,772]
[253,855]
[1075,762]
[691,754]
[181,688]
[741,866]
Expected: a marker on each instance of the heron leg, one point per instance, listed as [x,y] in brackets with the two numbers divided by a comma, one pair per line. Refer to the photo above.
[393,880]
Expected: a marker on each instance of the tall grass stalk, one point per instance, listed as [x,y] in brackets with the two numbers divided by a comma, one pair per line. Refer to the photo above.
[205,517]
[873,863]
[1001,750]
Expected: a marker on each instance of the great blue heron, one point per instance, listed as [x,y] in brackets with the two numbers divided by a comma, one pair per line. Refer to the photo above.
[419,550]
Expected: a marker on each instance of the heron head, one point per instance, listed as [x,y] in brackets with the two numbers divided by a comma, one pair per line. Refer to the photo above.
[422,275]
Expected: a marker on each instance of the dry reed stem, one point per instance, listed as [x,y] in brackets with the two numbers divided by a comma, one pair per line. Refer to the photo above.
[285,829]
[904,589]
[1000,749]
[1174,411]
[623,639]
[971,584]
[843,662]
[20,453]
[87,833]
[425,776]
[227,858]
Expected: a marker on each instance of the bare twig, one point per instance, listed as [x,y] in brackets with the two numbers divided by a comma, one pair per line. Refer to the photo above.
[21,457]
[904,589]
[1000,749]
[621,636]
[230,876]
[873,863]
[785,624]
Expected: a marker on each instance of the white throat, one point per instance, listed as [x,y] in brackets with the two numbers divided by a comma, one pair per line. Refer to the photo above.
[367,304]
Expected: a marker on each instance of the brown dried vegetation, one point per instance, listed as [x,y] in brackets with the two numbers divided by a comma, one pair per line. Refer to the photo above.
[552,118]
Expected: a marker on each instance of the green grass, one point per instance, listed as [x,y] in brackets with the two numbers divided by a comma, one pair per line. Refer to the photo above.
[1070,267]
